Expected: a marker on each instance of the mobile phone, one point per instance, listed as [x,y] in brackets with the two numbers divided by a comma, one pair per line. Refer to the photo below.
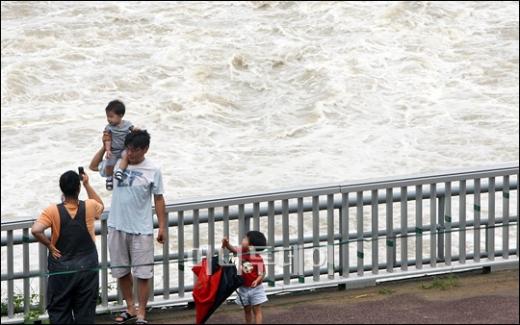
[81,171]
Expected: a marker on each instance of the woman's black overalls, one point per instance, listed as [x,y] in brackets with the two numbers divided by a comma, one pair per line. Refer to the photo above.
[73,280]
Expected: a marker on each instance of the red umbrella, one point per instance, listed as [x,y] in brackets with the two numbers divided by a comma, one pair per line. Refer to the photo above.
[212,290]
[206,289]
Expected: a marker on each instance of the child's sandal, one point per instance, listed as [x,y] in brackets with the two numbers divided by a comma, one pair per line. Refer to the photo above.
[110,184]
[118,175]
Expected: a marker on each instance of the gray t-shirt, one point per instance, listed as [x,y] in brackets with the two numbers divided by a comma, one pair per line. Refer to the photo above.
[131,209]
[119,133]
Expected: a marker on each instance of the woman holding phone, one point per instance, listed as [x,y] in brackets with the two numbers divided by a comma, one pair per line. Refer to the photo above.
[73,262]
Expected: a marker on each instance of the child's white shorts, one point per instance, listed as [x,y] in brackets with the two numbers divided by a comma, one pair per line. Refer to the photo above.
[251,296]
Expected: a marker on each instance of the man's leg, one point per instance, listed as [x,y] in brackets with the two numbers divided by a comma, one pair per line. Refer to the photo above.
[144,291]
[126,284]
[141,253]
[120,262]
[248,312]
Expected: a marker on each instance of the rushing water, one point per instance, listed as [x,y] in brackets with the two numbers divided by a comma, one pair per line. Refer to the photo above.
[254,95]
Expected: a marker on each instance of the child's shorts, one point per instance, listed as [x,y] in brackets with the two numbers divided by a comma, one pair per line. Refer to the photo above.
[251,296]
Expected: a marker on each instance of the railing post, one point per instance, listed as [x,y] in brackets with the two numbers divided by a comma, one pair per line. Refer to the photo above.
[211,238]
[10,274]
[404,228]
[476,220]
[344,245]
[166,259]
[330,236]
[180,247]
[285,235]
[433,225]
[26,271]
[375,230]
[505,218]
[301,250]
[43,278]
[447,220]
[390,238]
[270,242]
[462,221]
[359,224]
[418,226]
[316,238]
[104,262]
[441,229]
[490,233]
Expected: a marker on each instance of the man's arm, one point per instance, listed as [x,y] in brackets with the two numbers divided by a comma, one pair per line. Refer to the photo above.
[98,157]
[160,210]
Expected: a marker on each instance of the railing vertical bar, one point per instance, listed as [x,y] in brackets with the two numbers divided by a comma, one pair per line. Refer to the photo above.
[390,240]
[241,222]
[166,262]
[505,217]
[404,228]
[211,238]
[196,238]
[462,221]
[10,273]
[256,216]
[285,238]
[316,238]
[330,236]
[517,215]
[476,220]
[418,226]
[104,262]
[433,225]
[270,243]
[447,225]
[359,224]
[42,251]
[180,251]
[491,219]
[225,218]
[301,251]
[26,271]
[375,229]
[441,204]
[344,236]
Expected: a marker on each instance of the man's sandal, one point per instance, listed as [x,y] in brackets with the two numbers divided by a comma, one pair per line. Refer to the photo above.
[124,317]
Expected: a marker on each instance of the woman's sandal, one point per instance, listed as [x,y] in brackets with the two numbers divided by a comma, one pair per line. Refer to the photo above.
[141,321]
[124,317]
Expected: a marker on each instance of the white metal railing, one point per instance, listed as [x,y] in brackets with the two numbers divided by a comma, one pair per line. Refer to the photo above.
[284,214]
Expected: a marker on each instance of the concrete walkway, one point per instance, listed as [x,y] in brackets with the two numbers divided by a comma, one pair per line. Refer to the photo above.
[465,298]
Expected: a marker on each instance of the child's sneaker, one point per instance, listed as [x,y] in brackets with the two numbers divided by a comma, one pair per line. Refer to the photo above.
[110,183]
[118,175]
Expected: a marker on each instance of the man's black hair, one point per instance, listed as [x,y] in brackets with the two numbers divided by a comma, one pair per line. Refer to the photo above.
[257,239]
[70,184]
[138,139]
[116,106]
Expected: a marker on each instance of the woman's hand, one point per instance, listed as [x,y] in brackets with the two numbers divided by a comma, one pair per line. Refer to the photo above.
[54,251]
[84,179]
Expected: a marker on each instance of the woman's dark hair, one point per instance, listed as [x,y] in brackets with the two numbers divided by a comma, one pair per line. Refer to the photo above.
[257,239]
[116,106]
[70,184]
[138,139]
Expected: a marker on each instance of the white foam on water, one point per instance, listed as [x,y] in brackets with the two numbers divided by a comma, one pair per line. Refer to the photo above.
[251,96]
